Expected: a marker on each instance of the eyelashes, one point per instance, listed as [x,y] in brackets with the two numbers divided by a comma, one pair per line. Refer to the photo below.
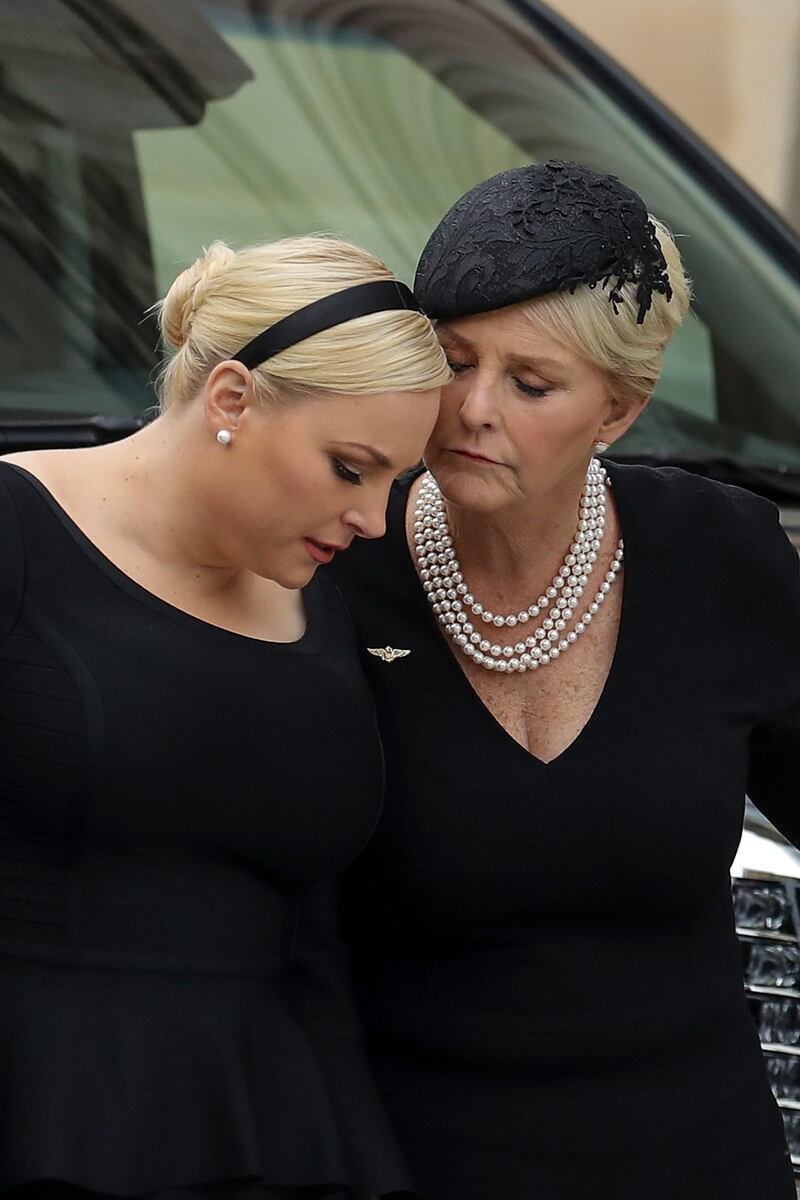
[345,472]
[527,389]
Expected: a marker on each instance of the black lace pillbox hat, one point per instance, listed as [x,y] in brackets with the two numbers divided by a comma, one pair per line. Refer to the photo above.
[538,229]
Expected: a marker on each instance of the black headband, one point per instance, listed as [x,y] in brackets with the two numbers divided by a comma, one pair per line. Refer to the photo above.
[383,295]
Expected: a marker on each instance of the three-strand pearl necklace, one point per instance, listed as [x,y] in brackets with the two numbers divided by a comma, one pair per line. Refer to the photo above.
[453,601]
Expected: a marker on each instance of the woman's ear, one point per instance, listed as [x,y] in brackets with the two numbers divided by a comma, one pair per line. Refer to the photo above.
[226,395]
[622,412]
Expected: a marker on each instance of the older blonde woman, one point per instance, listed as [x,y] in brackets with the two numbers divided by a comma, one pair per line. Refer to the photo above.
[593,657]
[188,750]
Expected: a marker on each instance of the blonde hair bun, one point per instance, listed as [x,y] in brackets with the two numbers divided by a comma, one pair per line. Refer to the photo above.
[226,297]
[181,302]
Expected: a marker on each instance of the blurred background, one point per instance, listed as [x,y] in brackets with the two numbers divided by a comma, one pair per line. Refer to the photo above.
[729,68]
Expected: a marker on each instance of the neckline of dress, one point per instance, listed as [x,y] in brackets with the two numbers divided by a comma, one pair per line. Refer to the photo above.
[307,643]
[618,659]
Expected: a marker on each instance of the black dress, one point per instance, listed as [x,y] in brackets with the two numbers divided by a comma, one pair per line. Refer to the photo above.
[174,799]
[545,954]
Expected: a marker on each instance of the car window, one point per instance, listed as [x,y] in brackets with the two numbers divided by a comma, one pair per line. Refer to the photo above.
[367,125]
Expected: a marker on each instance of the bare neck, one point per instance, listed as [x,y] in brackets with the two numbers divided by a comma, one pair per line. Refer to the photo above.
[142,498]
[509,557]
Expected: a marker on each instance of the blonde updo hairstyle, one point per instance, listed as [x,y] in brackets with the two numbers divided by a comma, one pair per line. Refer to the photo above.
[225,298]
[631,355]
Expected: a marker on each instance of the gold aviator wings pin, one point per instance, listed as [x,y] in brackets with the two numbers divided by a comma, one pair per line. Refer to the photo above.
[387,653]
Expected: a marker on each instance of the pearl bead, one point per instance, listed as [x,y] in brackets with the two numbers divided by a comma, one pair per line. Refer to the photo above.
[448,594]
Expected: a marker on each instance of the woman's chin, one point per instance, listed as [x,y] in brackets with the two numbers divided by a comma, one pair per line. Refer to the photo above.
[291,576]
[470,488]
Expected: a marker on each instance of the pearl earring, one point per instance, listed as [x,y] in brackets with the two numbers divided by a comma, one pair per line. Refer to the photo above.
[224,437]
[600,447]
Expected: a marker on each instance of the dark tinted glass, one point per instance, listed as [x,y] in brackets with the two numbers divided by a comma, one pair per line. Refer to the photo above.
[132,133]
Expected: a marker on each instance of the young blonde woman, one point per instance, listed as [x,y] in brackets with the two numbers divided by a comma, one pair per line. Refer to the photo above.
[188,752]
[597,656]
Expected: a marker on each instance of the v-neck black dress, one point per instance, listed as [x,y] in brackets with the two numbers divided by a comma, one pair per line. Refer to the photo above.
[545,954]
[174,802]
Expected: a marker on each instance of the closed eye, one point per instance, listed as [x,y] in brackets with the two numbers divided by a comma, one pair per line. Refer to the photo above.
[458,368]
[344,472]
[528,389]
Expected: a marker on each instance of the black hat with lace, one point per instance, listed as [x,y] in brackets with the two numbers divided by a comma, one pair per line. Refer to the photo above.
[538,229]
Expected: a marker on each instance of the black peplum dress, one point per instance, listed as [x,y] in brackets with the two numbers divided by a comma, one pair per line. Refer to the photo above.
[545,955]
[174,801]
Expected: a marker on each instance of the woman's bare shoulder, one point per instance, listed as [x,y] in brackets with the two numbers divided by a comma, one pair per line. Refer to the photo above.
[56,469]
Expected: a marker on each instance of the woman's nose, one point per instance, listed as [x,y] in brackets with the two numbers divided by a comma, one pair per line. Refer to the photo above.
[478,408]
[368,521]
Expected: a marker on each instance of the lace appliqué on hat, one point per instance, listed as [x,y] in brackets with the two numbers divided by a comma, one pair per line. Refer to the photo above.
[539,229]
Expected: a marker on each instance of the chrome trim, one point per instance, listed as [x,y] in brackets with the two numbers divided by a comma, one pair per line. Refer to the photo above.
[767,935]
[753,989]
